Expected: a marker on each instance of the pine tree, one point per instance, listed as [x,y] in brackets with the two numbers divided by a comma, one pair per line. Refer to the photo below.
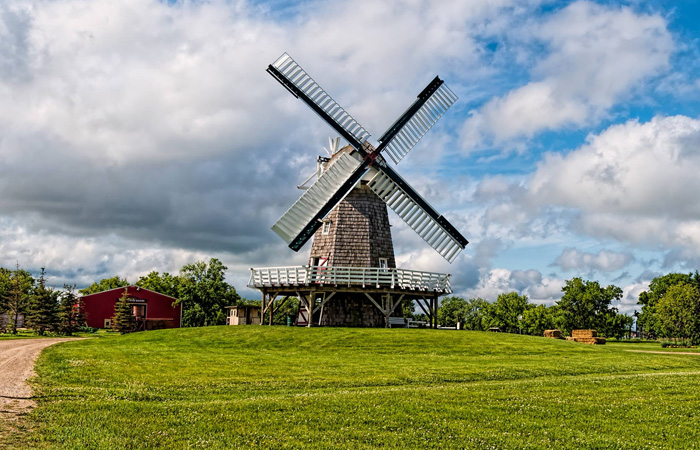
[43,308]
[71,315]
[122,321]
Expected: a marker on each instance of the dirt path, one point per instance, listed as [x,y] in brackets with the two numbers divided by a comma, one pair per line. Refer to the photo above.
[17,358]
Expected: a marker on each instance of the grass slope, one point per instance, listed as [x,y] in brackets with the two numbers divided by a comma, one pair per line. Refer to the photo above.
[277,387]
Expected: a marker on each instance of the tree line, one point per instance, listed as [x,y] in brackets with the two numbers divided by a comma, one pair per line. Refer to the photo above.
[43,308]
[671,308]
[200,288]
[583,305]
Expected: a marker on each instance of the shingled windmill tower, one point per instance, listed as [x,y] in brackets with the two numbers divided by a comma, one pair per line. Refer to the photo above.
[356,233]
[352,268]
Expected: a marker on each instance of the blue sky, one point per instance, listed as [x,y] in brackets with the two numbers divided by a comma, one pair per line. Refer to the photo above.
[143,135]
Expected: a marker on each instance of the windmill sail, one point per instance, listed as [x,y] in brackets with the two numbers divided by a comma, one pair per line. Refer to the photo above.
[303,218]
[405,133]
[301,85]
[418,214]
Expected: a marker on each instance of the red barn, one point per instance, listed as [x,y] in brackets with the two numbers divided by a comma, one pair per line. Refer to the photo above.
[152,309]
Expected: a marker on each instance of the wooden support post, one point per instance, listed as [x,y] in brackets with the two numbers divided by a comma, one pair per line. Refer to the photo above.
[262,307]
[310,308]
[387,310]
[435,312]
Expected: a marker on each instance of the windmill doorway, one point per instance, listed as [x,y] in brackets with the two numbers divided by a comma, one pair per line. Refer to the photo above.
[320,266]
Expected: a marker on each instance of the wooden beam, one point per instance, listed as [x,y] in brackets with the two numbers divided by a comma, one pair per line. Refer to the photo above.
[280,303]
[375,303]
[423,307]
[323,303]
[396,304]
[326,298]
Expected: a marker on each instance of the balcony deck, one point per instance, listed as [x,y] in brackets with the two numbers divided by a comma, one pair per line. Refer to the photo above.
[350,277]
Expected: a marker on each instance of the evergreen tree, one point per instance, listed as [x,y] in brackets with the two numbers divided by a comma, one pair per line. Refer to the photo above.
[122,320]
[43,308]
[71,314]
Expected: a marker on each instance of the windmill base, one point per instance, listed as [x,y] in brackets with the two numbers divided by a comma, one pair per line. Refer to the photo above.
[349,296]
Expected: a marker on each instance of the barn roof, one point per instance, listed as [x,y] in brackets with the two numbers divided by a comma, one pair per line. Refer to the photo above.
[138,288]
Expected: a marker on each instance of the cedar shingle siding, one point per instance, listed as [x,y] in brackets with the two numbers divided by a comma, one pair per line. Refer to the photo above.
[359,232]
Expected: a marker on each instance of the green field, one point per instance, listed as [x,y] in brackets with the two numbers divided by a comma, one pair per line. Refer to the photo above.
[278,387]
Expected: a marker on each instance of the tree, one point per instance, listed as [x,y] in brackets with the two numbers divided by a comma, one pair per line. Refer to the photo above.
[289,308]
[43,308]
[408,308]
[5,275]
[451,311]
[540,318]
[163,283]
[16,297]
[647,319]
[104,284]
[203,293]
[678,313]
[71,314]
[585,304]
[474,312]
[505,312]
[122,320]
[616,325]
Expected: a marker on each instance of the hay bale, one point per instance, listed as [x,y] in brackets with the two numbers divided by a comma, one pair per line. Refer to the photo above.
[591,340]
[554,334]
[584,333]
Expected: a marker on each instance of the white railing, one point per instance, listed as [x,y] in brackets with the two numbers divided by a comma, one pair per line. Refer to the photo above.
[349,276]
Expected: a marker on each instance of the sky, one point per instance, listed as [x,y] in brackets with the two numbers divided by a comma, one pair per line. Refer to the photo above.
[142,135]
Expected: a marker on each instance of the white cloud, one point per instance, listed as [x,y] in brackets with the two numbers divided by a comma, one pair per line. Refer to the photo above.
[604,260]
[633,182]
[596,56]
[538,288]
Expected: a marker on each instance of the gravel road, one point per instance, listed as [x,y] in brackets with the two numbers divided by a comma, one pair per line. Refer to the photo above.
[17,358]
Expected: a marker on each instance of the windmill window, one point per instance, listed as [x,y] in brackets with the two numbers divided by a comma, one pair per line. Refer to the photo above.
[326,227]
[383,263]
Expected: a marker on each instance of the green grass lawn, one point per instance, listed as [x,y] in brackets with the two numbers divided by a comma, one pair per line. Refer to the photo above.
[278,387]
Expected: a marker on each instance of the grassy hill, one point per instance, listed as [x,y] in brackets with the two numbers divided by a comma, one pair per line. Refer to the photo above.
[278,387]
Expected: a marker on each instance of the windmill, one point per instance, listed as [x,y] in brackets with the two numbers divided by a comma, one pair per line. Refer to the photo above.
[355,184]
[305,216]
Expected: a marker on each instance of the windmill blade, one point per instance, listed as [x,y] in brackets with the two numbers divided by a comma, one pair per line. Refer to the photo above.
[417,213]
[303,218]
[301,85]
[405,133]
